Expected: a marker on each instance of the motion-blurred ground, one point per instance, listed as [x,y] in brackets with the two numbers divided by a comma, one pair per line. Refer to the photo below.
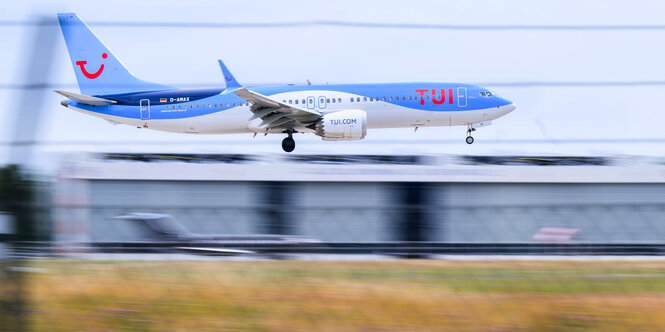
[347,296]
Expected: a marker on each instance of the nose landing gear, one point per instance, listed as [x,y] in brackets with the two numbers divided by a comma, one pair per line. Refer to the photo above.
[289,144]
[469,138]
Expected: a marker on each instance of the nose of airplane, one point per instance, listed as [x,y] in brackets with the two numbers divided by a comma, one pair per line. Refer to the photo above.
[505,106]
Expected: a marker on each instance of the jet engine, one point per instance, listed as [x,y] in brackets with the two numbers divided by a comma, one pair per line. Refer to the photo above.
[347,125]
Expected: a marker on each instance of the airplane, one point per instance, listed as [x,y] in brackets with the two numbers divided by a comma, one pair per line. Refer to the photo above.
[335,112]
[166,229]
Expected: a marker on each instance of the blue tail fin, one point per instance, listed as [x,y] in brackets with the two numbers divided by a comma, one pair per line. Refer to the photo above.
[98,71]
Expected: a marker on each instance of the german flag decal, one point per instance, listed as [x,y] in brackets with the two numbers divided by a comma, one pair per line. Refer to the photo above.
[162,100]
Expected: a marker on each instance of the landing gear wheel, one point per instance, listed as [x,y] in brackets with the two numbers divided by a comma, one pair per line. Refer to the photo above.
[469,138]
[288,144]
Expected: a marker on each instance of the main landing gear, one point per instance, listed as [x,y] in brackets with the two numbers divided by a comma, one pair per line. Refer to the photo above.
[289,144]
[469,138]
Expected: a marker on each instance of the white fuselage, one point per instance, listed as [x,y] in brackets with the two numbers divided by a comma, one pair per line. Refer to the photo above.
[235,119]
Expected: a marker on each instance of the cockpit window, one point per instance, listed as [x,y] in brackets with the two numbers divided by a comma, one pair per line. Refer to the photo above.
[486,94]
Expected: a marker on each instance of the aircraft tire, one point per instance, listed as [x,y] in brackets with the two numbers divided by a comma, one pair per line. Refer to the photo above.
[469,140]
[288,144]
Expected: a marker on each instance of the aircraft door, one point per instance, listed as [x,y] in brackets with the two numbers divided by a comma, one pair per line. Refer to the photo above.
[311,102]
[461,96]
[144,109]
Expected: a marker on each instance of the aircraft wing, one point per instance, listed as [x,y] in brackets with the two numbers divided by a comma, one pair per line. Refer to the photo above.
[274,113]
[215,251]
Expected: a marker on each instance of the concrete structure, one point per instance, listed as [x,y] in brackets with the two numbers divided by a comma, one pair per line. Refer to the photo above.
[364,200]
[6,233]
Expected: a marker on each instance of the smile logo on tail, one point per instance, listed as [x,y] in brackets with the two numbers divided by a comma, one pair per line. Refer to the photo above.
[95,74]
[228,78]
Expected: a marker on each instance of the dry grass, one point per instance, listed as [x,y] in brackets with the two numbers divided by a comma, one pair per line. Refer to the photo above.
[348,296]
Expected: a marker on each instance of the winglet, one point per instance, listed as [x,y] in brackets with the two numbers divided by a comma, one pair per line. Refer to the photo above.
[231,82]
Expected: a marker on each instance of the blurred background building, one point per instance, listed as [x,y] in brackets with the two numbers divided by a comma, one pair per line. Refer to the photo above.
[366,198]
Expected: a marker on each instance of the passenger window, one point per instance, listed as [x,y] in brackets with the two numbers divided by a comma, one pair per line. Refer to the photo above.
[351,99]
[234,103]
[384,98]
[215,105]
[303,101]
[339,100]
[296,101]
[390,98]
[409,97]
[364,98]
[328,100]
[290,101]
[371,99]
[227,104]
[403,98]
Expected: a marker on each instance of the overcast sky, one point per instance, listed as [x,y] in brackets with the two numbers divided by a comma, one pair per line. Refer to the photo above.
[623,118]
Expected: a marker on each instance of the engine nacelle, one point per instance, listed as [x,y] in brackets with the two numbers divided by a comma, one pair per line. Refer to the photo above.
[347,125]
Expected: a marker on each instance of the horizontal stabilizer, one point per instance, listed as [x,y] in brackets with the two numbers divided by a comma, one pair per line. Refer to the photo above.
[88,100]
